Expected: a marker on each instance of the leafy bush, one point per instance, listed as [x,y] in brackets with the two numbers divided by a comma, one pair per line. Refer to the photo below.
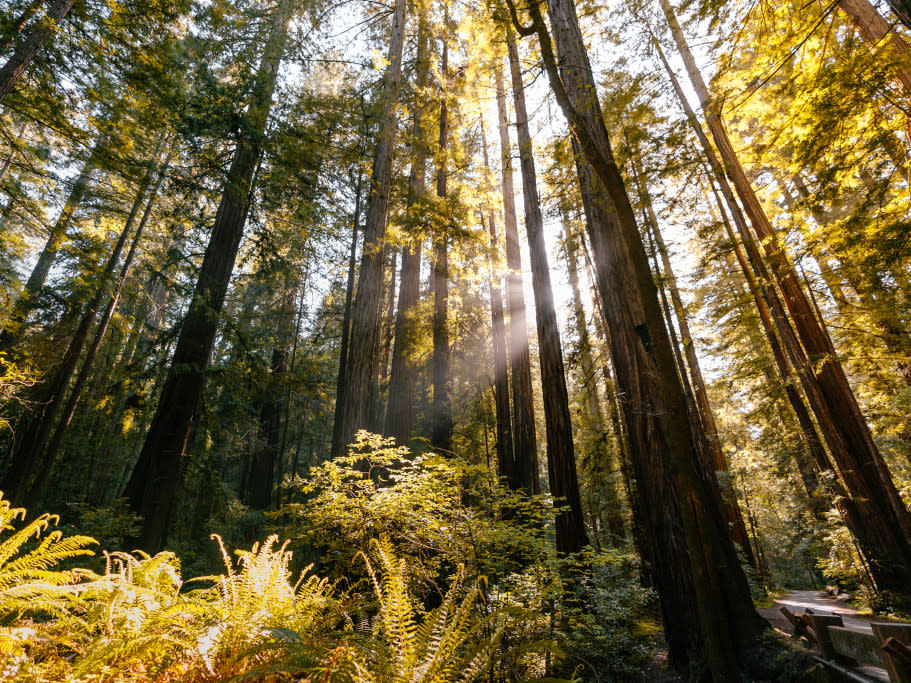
[137,621]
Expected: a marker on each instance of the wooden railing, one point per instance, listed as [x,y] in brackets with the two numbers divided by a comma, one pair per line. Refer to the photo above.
[887,647]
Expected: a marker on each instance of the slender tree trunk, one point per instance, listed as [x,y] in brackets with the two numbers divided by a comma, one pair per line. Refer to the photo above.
[157,474]
[879,35]
[400,406]
[561,460]
[355,412]
[19,24]
[505,455]
[728,623]
[13,332]
[342,381]
[524,475]
[26,50]
[33,434]
[886,538]
[388,327]
[441,429]
[50,455]
[504,445]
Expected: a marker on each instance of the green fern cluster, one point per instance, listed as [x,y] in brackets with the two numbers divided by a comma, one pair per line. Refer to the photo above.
[137,621]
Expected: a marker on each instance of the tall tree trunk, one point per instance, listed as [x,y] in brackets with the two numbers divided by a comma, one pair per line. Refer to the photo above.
[524,475]
[886,537]
[19,23]
[879,35]
[342,380]
[157,473]
[561,458]
[717,463]
[728,623]
[400,406]
[50,455]
[592,397]
[441,423]
[32,436]
[504,445]
[26,50]
[355,412]
[14,330]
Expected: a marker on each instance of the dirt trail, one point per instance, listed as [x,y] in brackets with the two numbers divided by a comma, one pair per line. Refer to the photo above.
[818,601]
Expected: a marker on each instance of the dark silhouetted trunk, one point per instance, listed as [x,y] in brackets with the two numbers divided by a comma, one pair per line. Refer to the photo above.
[32,436]
[441,424]
[157,474]
[524,475]
[361,365]
[561,460]
[26,50]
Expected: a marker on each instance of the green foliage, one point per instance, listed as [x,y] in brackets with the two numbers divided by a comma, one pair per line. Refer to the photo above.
[137,621]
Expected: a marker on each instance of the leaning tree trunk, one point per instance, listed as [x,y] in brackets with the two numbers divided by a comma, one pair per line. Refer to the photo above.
[886,536]
[561,458]
[32,435]
[716,461]
[400,404]
[19,24]
[53,446]
[26,50]
[157,473]
[524,474]
[729,625]
[355,399]
[13,332]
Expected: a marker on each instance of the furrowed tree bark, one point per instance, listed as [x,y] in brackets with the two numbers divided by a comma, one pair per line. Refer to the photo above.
[886,536]
[157,474]
[524,475]
[879,35]
[400,407]
[441,423]
[342,379]
[561,459]
[50,455]
[13,332]
[26,50]
[355,412]
[716,461]
[729,625]
[33,434]
[602,453]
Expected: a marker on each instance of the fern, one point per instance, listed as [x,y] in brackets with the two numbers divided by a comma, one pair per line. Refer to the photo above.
[27,581]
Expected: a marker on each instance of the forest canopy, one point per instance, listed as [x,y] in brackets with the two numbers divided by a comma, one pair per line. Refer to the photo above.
[420,340]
